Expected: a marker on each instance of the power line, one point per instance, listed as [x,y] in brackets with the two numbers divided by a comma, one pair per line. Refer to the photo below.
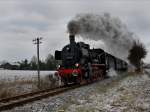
[37,41]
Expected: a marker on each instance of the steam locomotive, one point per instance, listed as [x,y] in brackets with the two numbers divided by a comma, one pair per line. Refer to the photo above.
[81,64]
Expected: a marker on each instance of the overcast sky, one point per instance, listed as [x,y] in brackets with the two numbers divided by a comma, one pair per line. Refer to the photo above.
[23,20]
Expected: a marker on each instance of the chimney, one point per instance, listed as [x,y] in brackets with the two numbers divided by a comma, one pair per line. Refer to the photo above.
[72,39]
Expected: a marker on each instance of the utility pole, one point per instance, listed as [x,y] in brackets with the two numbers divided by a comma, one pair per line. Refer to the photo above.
[37,41]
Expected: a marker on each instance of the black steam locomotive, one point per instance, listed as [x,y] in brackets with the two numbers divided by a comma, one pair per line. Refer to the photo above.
[81,64]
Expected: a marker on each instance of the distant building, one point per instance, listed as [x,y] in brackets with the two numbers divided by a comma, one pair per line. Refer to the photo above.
[10,66]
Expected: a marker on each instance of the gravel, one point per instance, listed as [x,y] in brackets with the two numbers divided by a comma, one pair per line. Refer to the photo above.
[129,93]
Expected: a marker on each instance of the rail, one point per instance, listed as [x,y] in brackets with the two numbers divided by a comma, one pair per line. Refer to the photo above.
[11,102]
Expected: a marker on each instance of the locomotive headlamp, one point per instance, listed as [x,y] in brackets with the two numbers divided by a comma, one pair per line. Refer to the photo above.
[58,66]
[77,64]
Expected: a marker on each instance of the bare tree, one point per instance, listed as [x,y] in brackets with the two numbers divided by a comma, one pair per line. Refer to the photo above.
[136,54]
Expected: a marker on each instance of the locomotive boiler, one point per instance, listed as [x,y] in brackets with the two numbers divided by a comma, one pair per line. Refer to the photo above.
[81,64]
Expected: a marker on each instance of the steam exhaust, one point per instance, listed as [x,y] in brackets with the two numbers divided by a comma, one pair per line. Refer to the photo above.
[104,28]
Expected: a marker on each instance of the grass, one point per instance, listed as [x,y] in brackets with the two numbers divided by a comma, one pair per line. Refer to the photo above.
[18,86]
[48,82]
[7,92]
[8,89]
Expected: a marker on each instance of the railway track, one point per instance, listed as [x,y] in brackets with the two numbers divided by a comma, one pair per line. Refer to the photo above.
[11,102]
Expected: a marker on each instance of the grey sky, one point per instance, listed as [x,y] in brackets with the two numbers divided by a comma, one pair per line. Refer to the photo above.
[23,20]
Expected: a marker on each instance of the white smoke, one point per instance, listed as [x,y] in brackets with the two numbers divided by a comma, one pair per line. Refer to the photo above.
[112,73]
[108,29]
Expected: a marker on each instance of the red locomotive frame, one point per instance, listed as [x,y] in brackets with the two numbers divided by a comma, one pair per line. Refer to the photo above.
[98,73]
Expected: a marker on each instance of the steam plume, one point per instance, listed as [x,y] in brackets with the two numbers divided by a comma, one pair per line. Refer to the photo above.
[108,29]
